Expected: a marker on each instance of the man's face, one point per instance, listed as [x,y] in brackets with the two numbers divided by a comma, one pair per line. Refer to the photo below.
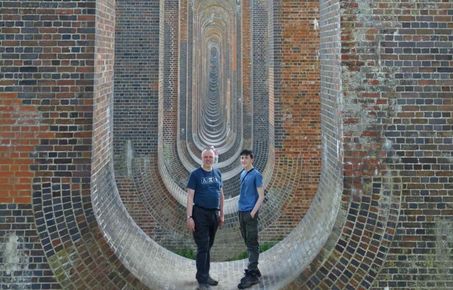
[207,158]
[246,161]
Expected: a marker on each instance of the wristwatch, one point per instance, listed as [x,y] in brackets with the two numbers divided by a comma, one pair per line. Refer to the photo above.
[189,217]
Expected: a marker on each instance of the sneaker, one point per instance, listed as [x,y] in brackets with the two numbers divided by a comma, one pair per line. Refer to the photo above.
[257,273]
[248,281]
[202,286]
[250,278]
[246,273]
[212,282]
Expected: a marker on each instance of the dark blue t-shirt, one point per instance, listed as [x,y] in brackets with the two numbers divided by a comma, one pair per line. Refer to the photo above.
[249,193]
[207,185]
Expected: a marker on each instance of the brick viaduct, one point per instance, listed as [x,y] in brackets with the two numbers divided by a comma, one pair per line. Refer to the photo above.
[105,107]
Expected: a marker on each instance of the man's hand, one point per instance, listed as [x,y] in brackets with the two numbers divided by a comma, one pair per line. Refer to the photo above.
[221,221]
[191,224]
[252,214]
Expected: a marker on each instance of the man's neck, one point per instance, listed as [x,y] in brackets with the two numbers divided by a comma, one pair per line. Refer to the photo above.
[207,168]
[248,168]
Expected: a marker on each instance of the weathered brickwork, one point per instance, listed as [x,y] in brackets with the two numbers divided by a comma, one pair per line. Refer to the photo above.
[136,101]
[20,133]
[297,106]
[46,64]
[135,81]
[22,259]
[260,74]
[420,131]
[48,79]
[395,63]
[351,105]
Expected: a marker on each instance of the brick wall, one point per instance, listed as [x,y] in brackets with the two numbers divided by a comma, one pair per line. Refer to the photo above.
[46,71]
[419,130]
[47,86]
[22,258]
[395,210]
[20,133]
[297,108]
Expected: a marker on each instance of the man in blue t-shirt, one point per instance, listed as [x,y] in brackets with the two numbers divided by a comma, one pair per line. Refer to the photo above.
[205,213]
[250,199]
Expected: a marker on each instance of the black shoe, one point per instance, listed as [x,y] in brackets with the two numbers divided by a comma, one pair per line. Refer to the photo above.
[202,286]
[212,282]
[251,277]
[256,272]
[248,281]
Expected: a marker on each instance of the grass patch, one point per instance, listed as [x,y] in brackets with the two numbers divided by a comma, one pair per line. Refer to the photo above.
[191,254]
[244,255]
[187,253]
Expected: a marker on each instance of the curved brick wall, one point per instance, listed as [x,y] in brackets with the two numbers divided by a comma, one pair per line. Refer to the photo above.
[154,188]
[364,126]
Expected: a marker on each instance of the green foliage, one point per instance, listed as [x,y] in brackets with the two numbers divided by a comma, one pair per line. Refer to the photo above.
[242,255]
[267,246]
[191,254]
[263,247]
[186,252]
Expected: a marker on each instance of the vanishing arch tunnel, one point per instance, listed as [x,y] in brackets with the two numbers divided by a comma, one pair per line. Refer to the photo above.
[218,86]
[231,74]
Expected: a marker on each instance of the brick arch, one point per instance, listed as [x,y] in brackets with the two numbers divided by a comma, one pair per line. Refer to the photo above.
[306,242]
[292,254]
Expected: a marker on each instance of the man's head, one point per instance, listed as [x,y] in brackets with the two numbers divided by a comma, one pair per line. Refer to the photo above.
[207,158]
[247,159]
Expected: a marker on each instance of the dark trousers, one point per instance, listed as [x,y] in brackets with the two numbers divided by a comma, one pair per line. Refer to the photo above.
[206,224]
[249,232]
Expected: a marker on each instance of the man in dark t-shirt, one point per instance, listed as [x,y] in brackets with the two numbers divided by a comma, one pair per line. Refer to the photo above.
[205,213]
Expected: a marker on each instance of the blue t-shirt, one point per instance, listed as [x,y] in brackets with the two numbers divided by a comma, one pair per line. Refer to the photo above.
[207,185]
[249,193]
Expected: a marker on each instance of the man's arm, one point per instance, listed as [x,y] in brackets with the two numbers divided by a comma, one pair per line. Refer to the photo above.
[258,202]
[222,199]
[189,206]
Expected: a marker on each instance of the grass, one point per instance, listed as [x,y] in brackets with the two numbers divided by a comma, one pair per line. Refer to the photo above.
[191,254]
[187,253]
[263,247]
